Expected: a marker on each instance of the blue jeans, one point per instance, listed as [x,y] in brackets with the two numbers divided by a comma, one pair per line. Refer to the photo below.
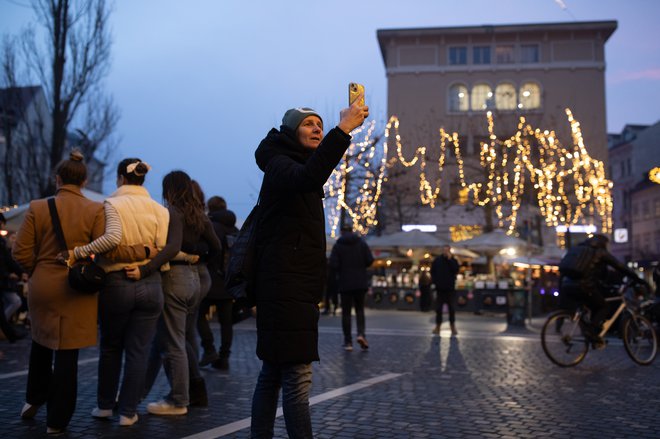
[191,320]
[296,382]
[181,288]
[128,313]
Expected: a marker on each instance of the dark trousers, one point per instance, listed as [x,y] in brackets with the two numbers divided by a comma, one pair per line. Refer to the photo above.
[448,297]
[591,296]
[54,383]
[350,299]
[329,297]
[224,312]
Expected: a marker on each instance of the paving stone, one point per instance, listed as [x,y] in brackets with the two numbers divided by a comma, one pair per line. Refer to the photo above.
[485,383]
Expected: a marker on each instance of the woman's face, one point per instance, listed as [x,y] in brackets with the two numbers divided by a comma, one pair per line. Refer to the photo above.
[310,132]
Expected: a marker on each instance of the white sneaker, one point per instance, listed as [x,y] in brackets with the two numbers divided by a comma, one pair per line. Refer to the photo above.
[29,411]
[125,421]
[163,407]
[101,413]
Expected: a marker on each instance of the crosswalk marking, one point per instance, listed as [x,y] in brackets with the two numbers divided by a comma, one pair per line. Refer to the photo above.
[245,423]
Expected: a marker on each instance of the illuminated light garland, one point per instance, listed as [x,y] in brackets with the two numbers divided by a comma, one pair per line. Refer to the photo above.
[569,184]
[509,165]
[363,209]
[654,175]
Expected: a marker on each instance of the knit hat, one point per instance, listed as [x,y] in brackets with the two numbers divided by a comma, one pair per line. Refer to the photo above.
[293,117]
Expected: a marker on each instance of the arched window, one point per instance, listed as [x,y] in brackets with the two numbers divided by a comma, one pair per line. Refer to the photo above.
[482,97]
[505,96]
[458,98]
[530,96]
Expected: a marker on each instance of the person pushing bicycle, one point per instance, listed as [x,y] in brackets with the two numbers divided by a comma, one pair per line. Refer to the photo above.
[583,271]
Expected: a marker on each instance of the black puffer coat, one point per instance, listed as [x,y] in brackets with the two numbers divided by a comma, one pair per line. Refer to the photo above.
[291,261]
[350,259]
[443,273]
[224,225]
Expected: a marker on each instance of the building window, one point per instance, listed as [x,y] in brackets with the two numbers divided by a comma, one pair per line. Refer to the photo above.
[628,167]
[646,212]
[505,96]
[529,53]
[530,96]
[458,98]
[482,97]
[481,55]
[657,207]
[457,56]
[504,54]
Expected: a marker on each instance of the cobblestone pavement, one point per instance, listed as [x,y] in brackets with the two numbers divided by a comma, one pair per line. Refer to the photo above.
[489,382]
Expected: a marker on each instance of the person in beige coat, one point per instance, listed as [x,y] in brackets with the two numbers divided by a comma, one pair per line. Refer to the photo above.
[63,321]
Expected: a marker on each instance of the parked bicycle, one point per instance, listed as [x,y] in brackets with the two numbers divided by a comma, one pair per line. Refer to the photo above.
[565,339]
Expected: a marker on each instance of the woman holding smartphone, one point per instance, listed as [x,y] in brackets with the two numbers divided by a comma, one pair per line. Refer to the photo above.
[291,263]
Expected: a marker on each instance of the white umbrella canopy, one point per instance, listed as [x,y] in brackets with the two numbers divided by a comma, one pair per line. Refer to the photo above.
[492,242]
[412,239]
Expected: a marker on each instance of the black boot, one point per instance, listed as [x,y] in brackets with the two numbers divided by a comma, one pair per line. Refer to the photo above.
[197,393]
[222,363]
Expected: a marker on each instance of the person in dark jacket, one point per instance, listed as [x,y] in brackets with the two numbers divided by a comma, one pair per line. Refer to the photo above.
[589,288]
[443,274]
[224,225]
[291,263]
[350,259]
[10,272]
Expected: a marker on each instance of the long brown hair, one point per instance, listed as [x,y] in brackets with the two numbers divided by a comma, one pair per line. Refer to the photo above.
[178,192]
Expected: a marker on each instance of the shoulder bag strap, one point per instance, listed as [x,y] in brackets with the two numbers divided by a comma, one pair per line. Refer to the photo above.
[57,226]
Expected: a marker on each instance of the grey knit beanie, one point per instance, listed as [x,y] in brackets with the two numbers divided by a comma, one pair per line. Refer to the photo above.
[293,117]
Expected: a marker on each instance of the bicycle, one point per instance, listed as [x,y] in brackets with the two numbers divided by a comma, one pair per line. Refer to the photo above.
[565,339]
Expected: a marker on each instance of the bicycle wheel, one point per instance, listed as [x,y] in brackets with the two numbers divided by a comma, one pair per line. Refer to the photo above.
[640,340]
[563,340]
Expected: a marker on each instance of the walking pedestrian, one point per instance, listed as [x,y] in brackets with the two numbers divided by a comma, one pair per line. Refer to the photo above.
[10,274]
[291,263]
[224,225]
[350,259]
[443,273]
[63,321]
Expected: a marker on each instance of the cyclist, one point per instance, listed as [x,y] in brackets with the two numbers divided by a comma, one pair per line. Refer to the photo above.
[588,287]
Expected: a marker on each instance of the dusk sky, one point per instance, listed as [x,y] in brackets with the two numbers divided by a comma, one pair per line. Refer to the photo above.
[199,83]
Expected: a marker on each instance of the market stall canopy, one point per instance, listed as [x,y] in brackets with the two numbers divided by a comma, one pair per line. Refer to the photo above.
[463,252]
[15,216]
[492,242]
[412,239]
[501,259]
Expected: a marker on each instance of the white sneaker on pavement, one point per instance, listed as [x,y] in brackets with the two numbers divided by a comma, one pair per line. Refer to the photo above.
[29,410]
[125,421]
[163,407]
[101,413]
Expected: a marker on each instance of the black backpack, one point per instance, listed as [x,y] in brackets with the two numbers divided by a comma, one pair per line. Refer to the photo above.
[578,261]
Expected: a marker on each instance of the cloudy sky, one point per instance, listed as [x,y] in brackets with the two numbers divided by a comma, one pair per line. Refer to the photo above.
[200,82]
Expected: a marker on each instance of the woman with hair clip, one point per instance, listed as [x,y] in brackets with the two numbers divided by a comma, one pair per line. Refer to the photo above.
[181,285]
[128,310]
[63,321]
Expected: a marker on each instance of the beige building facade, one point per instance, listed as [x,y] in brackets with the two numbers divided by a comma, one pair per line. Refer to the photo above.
[452,77]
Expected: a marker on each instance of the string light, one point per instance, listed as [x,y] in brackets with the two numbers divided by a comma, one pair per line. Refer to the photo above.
[654,175]
[570,185]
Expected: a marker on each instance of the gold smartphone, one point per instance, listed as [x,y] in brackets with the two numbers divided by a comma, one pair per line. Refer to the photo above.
[354,90]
